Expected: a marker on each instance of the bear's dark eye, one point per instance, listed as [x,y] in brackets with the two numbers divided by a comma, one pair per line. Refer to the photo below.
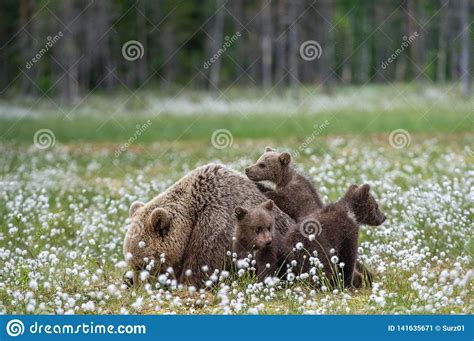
[262,165]
[259,230]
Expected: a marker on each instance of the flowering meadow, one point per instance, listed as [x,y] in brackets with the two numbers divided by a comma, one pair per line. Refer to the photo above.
[64,214]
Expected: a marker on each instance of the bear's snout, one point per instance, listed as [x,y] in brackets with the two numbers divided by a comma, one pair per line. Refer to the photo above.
[250,175]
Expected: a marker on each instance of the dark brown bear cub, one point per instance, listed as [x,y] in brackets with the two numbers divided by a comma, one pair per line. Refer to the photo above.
[335,239]
[294,193]
[255,234]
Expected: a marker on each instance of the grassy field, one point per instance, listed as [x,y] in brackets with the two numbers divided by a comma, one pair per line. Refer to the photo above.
[64,208]
[247,114]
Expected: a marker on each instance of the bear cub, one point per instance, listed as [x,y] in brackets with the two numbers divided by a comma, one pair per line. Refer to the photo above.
[255,234]
[338,230]
[294,193]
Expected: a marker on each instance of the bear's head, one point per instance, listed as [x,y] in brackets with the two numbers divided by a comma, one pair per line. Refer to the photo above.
[271,166]
[254,227]
[158,235]
[363,205]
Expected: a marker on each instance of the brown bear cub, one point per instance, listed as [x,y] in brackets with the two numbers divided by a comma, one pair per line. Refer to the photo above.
[255,234]
[336,237]
[294,193]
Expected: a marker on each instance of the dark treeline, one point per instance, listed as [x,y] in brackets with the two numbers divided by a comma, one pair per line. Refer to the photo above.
[69,48]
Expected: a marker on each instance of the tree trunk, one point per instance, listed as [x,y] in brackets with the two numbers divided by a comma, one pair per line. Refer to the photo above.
[216,44]
[327,55]
[380,40]
[442,43]
[27,50]
[293,48]
[401,62]
[240,47]
[363,69]
[453,43]
[168,43]
[464,61]
[266,43]
[415,47]
[280,45]
[141,68]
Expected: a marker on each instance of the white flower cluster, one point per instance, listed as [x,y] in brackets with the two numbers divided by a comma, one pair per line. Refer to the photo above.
[63,228]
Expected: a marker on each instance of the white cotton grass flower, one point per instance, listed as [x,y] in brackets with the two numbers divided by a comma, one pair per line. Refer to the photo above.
[112,289]
[121,264]
[242,264]
[428,191]
[33,284]
[138,304]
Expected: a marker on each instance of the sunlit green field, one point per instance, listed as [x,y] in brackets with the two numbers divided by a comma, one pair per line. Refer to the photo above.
[64,208]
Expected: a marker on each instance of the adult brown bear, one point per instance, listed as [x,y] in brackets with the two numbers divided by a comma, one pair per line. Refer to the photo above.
[192,223]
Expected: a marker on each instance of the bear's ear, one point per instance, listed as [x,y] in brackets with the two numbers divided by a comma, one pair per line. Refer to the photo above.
[240,212]
[269,149]
[268,205]
[284,158]
[134,207]
[362,193]
[350,192]
[159,220]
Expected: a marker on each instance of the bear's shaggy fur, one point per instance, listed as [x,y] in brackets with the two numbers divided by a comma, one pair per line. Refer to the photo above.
[294,193]
[336,226]
[191,223]
[255,235]
[339,230]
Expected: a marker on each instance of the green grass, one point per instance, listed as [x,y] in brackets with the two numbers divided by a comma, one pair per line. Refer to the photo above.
[89,190]
[74,196]
[348,110]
